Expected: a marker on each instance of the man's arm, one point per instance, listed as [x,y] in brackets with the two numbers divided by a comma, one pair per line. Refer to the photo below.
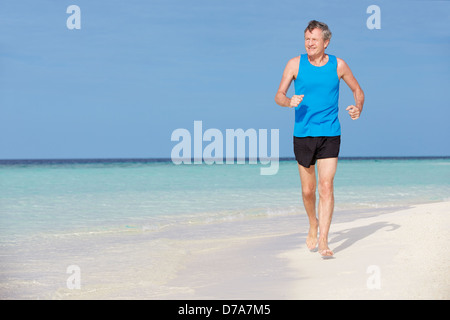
[346,74]
[289,74]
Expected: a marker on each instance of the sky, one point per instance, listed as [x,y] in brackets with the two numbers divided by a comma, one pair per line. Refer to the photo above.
[136,71]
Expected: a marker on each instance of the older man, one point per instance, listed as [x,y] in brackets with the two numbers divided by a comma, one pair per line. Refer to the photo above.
[317,131]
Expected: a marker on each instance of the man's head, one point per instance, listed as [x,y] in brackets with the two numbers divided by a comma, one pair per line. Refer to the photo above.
[317,37]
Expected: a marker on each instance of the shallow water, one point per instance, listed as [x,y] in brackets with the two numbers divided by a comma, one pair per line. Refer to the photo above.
[134,223]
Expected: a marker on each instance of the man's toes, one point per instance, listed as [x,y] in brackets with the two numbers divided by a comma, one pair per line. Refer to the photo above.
[326,253]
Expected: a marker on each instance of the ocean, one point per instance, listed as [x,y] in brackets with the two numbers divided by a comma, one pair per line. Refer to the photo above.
[98,215]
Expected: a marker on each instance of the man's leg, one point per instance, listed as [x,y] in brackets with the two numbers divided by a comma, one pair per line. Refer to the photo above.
[326,170]
[308,180]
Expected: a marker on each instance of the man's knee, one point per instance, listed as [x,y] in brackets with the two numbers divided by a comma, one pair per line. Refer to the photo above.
[309,192]
[326,188]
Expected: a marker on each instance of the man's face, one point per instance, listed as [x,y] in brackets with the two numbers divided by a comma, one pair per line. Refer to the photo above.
[314,42]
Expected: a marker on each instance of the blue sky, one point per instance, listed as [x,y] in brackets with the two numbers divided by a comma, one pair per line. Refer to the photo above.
[138,70]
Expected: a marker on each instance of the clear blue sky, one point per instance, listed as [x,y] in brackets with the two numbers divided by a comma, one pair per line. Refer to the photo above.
[137,70]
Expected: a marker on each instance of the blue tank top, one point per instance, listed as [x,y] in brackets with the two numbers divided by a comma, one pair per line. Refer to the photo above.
[317,114]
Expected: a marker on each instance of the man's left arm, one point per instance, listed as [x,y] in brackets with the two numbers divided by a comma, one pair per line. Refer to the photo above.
[346,74]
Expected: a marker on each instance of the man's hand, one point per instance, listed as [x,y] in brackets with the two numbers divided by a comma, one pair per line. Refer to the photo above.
[353,111]
[296,100]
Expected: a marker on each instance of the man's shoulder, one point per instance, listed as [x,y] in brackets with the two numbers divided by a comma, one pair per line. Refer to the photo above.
[341,64]
[342,67]
[293,63]
[340,61]
[294,60]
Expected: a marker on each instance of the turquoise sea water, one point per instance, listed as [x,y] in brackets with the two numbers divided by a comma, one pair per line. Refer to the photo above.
[61,197]
[128,224]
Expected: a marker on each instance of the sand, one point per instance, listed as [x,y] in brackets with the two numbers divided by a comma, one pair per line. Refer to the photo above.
[387,253]
[401,254]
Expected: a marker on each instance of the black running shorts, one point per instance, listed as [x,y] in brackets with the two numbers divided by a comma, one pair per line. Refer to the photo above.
[308,149]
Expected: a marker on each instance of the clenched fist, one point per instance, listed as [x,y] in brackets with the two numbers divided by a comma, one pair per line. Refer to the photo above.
[353,111]
[296,100]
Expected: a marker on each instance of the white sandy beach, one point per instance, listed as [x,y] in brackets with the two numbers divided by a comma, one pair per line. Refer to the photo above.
[383,254]
[395,255]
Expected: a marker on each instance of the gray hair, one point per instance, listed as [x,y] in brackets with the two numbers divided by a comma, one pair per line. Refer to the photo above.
[313,24]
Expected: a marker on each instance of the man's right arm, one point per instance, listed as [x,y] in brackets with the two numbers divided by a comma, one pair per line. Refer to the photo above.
[289,74]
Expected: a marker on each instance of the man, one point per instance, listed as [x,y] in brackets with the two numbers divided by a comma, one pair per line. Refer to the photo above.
[317,129]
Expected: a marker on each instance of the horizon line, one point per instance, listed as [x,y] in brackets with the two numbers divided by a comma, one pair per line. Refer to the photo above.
[160,159]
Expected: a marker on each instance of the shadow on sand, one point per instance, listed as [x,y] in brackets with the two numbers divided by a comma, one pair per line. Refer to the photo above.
[351,236]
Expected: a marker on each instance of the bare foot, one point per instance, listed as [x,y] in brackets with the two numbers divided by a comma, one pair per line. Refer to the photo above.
[311,239]
[324,250]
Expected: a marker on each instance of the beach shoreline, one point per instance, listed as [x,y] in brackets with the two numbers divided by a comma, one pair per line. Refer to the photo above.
[384,253]
[396,255]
